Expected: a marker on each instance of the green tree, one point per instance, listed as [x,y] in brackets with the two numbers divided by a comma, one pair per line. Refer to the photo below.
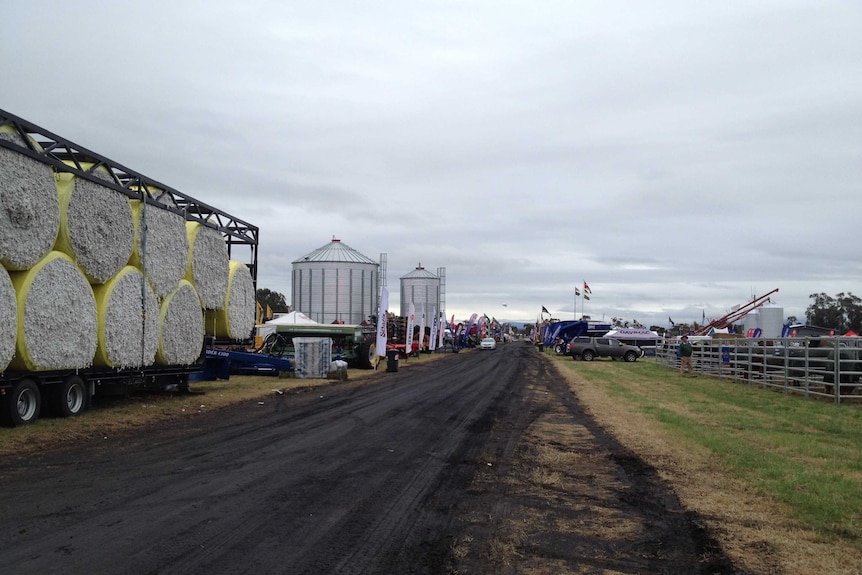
[842,312]
[273,299]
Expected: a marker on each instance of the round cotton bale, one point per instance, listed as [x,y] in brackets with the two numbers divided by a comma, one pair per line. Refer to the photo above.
[96,227]
[128,321]
[56,316]
[29,209]
[181,324]
[160,247]
[235,319]
[8,319]
[208,268]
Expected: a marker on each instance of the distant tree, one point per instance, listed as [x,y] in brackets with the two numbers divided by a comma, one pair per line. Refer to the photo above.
[842,312]
[273,299]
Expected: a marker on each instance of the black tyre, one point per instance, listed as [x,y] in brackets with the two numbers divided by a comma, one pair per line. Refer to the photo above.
[587,355]
[560,349]
[368,357]
[69,398]
[22,405]
[630,356]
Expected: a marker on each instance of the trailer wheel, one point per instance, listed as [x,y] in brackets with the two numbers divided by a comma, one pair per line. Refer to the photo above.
[21,406]
[69,398]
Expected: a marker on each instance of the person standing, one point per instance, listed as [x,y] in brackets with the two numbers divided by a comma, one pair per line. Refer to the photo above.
[685,351]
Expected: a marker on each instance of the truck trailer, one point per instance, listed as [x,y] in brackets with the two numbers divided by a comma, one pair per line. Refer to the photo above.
[175,313]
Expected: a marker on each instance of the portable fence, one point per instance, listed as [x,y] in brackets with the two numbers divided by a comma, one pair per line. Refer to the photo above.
[807,365]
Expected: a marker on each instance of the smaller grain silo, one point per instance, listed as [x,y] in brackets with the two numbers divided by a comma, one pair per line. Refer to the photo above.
[421,288]
[336,283]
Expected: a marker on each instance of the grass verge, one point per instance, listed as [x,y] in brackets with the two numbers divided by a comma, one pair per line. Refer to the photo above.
[779,470]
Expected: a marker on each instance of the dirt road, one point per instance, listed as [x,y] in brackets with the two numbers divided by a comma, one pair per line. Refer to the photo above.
[409,472]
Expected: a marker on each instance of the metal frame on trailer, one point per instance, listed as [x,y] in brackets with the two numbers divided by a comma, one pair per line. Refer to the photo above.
[57,151]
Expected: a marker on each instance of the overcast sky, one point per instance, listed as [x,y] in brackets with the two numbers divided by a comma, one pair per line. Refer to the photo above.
[678,156]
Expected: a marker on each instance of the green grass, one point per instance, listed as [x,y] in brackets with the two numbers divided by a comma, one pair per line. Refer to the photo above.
[803,453]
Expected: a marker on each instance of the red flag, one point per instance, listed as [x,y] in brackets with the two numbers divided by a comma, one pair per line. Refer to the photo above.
[587,288]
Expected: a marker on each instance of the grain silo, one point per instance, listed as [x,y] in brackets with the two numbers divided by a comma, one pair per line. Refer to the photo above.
[336,283]
[421,288]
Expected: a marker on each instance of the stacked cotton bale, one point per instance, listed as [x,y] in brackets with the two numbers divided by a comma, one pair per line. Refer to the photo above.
[182,327]
[208,264]
[56,323]
[235,319]
[8,319]
[96,227]
[160,246]
[29,208]
[128,321]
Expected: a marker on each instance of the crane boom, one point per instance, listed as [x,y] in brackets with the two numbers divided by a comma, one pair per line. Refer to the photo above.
[736,314]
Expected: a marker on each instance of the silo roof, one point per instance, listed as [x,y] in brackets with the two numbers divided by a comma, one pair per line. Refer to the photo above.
[419,273]
[336,251]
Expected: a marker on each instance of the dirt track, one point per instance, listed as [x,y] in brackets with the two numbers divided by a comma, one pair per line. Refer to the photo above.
[429,470]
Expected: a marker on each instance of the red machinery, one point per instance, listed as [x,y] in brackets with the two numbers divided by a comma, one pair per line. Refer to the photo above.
[735,315]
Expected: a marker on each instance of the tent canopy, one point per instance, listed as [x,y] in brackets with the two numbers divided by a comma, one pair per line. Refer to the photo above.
[293,317]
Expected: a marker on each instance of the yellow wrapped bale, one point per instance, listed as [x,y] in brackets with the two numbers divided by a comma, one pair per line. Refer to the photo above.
[96,227]
[29,208]
[8,319]
[160,246]
[181,327]
[208,264]
[128,321]
[56,316]
[235,319]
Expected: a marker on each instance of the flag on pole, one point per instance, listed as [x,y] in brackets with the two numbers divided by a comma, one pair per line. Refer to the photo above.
[577,292]
[381,322]
[545,310]
[411,322]
[586,297]
[422,329]
[587,288]
[670,321]
[432,342]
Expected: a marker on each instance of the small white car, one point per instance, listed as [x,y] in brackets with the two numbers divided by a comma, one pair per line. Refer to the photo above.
[488,343]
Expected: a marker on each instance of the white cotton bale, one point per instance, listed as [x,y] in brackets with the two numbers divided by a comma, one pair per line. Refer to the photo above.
[56,316]
[128,321]
[208,268]
[181,327]
[8,319]
[160,247]
[29,209]
[96,227]
[235,319]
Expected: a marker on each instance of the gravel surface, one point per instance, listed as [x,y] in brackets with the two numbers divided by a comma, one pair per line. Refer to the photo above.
[415,471]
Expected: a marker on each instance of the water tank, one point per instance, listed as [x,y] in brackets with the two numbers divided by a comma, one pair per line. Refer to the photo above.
[422,288]
[336,283]
[771,321]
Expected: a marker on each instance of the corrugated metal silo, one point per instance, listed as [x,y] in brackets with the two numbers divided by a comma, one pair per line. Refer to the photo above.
[422,288]
[336,283]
